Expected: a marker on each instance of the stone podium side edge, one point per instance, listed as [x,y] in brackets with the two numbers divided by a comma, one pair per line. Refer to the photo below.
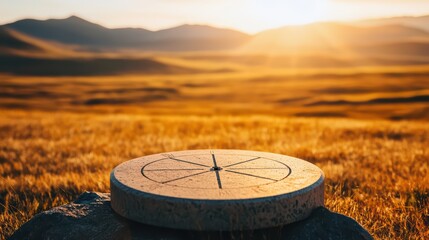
[91,217]
[215,215]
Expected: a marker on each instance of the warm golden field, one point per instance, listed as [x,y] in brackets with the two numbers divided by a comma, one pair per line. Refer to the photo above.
[395,93]
[60,136]
[376,171]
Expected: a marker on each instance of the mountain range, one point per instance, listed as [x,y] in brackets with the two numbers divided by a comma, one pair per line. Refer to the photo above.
[403,40]
[90,36]
[81,34]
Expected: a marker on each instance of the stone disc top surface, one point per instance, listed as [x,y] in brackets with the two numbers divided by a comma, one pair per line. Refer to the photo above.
[217,174]
[216,189]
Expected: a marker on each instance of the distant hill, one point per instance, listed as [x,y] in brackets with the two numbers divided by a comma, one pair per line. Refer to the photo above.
[13,43]
[416,22]
[10,41]
[330,37]
[24,55]
[410,49]
[79,32]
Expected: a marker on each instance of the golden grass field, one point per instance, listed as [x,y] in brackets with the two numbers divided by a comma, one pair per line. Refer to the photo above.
[373,92]
[62,136]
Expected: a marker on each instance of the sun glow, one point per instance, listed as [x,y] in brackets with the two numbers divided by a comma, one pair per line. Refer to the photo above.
[279,13]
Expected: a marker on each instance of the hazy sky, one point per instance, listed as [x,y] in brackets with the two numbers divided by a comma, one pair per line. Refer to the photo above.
[246,15]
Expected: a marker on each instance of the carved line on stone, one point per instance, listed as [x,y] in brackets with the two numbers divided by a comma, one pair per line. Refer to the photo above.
[180,160]
[185,177]
[219,182]
[243,162]
[251,175]
[174,169]
[255,168]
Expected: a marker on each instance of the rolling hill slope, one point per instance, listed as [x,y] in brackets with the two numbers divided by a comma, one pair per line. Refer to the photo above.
[9,41]
[24,55]
[421,22]
[322,38]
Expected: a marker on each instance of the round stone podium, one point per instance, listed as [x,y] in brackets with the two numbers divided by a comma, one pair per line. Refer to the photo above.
[216,190]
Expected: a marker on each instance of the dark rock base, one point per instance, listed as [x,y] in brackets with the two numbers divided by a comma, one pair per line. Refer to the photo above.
[91,217]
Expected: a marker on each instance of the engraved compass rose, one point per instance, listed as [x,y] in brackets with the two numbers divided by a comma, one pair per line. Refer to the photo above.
[215,170]
[216,190]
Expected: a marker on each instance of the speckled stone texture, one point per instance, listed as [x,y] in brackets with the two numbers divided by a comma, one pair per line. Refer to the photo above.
[209,190]
[91,217]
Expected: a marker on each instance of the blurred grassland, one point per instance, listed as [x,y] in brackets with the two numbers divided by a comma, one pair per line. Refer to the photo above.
[396,93]
[60,136]
[377,171]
